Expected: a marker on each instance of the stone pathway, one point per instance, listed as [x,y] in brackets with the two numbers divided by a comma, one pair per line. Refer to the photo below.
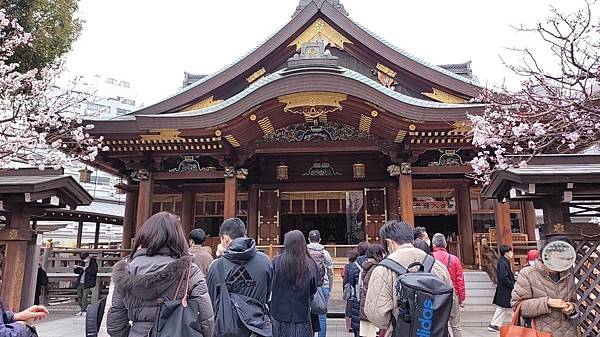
[68,325]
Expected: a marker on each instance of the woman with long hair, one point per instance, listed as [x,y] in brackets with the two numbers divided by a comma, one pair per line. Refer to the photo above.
[375,254]
[154,272]
[294,284]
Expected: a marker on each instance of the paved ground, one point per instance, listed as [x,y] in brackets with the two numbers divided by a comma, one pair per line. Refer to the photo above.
[68,325]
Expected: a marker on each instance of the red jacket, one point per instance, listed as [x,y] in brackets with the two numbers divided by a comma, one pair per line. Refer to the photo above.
[455,269]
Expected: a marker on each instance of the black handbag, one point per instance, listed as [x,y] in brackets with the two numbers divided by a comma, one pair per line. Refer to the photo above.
[178,318]
[237,315]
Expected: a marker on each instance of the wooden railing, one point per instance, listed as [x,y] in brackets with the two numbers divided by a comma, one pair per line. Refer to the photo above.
[520,250]
[59,264]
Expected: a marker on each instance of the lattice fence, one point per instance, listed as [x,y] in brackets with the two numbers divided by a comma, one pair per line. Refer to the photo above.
[587,273]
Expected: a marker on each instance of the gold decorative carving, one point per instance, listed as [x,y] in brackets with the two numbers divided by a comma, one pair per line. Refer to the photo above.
[312,104]
[256,75]
[253,117]
[208,102]
[231,139]
[386,70]
[412,127]
[162,135]
[444,97]
[400,136]
[266,126]
[374,113]
[218,133]
[321,31]
[461,127]
[13,234]
[365,123]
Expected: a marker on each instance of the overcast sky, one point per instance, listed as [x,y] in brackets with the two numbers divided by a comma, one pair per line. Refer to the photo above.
[151,43]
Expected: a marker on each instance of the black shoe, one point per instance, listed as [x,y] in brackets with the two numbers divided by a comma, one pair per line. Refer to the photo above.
[493,328]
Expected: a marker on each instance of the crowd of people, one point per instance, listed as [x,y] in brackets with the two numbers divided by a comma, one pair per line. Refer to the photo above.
[170,282]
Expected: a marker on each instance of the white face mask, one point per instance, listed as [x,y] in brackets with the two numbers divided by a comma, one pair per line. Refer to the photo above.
[532,263]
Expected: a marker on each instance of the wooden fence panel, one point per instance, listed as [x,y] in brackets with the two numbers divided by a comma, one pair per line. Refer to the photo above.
[587,274]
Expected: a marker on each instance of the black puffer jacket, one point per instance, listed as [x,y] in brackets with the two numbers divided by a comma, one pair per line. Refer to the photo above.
[142,281]
[352,277]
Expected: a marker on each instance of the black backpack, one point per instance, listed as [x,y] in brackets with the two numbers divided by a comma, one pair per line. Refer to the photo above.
[424,300]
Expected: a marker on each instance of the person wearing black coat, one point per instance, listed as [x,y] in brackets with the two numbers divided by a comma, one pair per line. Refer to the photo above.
[86,280]
[504,288]
[352,276]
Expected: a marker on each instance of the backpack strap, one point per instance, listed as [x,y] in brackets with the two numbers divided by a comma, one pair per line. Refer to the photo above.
[393,266]
[428,263]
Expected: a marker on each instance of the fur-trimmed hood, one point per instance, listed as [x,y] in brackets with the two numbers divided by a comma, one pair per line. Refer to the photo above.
[148,277]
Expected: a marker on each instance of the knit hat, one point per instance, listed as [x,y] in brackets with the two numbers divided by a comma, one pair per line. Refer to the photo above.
[533,255]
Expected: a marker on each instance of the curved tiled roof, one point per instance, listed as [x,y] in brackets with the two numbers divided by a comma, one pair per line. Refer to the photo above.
[347,73]
[415,58]
[247,61]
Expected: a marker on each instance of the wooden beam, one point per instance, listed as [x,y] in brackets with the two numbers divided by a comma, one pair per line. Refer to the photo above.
[465,224]
[529,219]
[503,223]
[30,276]
[188,208]
[230,207]
[145,196]
[129,219]
[188,175]
[406,199]
[79,234]
[441,170]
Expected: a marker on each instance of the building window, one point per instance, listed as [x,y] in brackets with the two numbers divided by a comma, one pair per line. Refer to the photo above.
[96,107]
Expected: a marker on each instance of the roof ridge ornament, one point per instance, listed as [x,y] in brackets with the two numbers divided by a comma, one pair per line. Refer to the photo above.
[335,3]
[313,54]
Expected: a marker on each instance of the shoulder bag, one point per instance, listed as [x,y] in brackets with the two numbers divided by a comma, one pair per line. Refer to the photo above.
[514,330]
[178,317]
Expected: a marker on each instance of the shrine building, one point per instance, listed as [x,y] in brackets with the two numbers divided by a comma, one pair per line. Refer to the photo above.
[323,126]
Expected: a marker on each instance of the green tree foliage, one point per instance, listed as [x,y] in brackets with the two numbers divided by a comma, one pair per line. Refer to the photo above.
[53,25]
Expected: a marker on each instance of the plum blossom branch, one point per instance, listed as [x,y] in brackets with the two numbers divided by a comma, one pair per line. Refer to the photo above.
[38,125]
[555,111]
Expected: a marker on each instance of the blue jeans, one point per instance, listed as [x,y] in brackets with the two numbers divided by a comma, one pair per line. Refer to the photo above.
[323,318]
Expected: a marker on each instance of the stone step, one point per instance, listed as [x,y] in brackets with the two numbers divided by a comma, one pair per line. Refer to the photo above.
[480,285]
[480,292]
[479,300]
[480,307]
[477,276]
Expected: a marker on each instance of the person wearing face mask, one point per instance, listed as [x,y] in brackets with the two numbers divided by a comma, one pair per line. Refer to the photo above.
[532,256]
[381,302]
[504,287]
[547,291]
[421,239]
[248,275]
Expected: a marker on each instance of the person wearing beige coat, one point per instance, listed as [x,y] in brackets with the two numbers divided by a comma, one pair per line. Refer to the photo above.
[548,298]
[381,303]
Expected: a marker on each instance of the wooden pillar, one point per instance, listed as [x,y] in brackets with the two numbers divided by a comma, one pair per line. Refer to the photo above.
[145,196]
[503,223]
[392,203]
[15,236]
[97,235]
[188,208]
[465,223]
[79,234]
[129,219]
[529,219]
[253,213]
[406,195]
[230,207]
